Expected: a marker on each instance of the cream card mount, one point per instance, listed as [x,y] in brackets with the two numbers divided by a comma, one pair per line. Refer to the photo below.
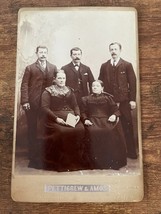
[97,162]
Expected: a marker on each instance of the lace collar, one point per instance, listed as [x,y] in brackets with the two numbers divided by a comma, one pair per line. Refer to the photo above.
[55,90]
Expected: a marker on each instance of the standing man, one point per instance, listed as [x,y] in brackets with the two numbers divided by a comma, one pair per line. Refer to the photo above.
[78,76]
[119,80]
[37,77]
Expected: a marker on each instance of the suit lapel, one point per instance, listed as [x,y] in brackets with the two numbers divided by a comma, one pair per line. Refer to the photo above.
[73,68]
[108,65]
[82,71]
[119,62]
[83,79]
[47,66]
[38,66]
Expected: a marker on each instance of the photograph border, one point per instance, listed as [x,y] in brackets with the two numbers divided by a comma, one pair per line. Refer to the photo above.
[62,187]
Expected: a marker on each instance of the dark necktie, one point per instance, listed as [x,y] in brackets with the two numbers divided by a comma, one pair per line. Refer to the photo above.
[114,63]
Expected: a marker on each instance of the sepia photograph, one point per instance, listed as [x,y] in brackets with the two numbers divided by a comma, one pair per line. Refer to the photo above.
[77,122]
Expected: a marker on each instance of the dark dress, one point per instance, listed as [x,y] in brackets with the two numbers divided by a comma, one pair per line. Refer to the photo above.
[61,146]
[106,140]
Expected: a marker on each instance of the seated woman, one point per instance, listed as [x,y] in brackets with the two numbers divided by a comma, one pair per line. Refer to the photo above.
[61,143]
[101,119]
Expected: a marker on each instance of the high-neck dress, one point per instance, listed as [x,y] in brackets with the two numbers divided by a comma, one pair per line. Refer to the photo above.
[106,140]
[62,146]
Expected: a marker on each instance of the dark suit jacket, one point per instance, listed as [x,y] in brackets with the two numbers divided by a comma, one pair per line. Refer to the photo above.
[125,77]
[72,77]
[34,82]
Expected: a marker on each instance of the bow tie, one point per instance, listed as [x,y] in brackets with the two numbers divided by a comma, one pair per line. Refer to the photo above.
[76,65]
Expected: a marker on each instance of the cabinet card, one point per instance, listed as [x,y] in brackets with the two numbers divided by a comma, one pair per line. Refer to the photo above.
[82,61]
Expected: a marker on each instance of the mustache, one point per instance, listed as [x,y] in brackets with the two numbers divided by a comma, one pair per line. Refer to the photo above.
[113,54]
[77,58]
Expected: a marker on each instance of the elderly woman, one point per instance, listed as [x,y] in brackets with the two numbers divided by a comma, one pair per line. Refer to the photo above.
[61,138]
[101,119]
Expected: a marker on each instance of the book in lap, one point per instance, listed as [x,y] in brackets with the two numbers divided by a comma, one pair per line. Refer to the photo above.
[71,120]
[79,61]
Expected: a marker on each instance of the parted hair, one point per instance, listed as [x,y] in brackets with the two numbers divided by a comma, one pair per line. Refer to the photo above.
[58,71]
[116,43]
[75,49]
[40,46]
[100,81]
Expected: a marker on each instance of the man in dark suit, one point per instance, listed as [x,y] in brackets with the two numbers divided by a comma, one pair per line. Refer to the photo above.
[78,76]
[37,77]
[119,80]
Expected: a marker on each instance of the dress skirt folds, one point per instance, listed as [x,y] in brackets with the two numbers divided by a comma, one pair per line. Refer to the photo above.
[106,140]
[62,147]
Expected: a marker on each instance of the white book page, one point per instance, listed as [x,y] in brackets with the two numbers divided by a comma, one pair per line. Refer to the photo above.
[71,120]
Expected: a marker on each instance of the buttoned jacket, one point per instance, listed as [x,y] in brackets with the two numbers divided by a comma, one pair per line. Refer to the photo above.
[34,81]
[86,77]
[125,88]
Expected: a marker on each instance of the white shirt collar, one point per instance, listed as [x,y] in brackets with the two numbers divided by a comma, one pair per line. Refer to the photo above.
[44,63]
[76,63]
[116,61]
